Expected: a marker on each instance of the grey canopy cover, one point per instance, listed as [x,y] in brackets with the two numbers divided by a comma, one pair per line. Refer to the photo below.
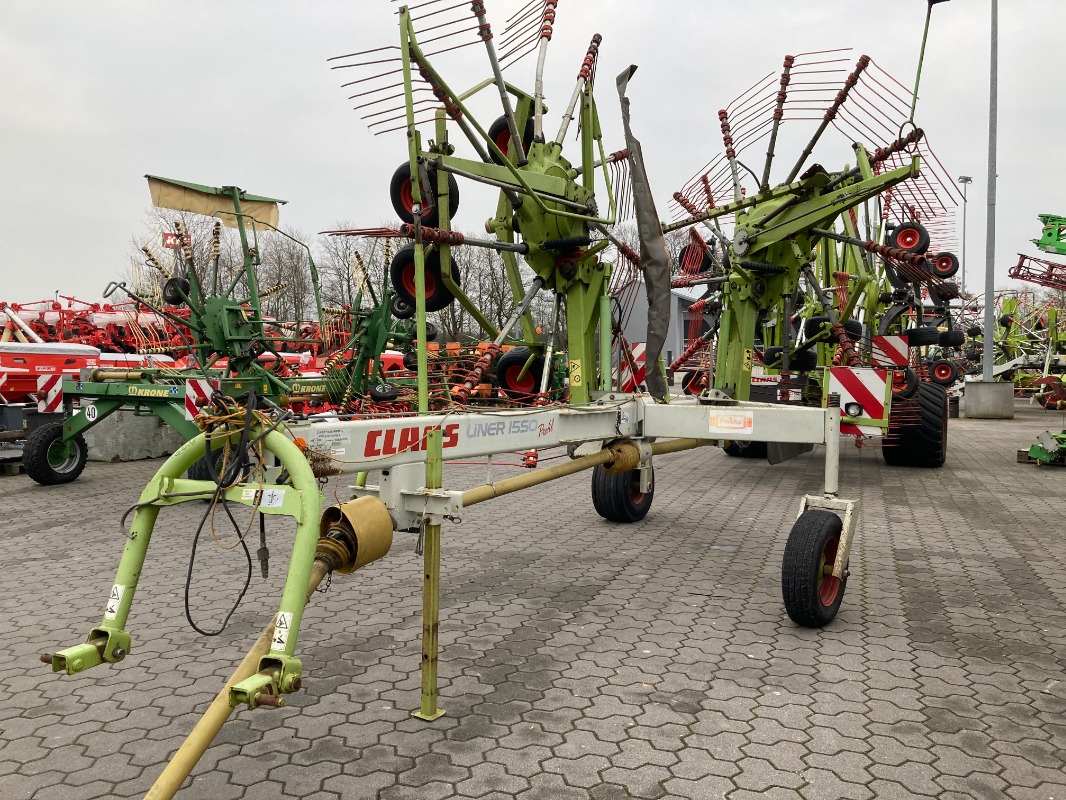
[654,258]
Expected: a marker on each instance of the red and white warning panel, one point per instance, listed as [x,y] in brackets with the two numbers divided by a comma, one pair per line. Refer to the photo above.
[864,395]
[629,381]
[890,351]
[50,394]
[197,395]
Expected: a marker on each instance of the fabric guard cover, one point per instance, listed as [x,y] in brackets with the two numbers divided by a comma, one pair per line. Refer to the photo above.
[654,257]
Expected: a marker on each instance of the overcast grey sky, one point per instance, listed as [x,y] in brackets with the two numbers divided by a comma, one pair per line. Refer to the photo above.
[95,95]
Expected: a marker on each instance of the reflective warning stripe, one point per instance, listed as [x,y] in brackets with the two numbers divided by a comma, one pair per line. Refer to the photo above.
[629,384]
[49,394]
[197,395]
[865,386]
[890,351]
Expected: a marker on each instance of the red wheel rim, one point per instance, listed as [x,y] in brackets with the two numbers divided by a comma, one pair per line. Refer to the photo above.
[942,372]
[828,584]
[944,264]
[407,199]
[907,238]
[524,385]
[899,381]
[635,494]
[696,384]
[503,140]
[409,281]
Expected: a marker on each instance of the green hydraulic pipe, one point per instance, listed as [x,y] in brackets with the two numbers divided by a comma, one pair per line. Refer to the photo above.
[605,331]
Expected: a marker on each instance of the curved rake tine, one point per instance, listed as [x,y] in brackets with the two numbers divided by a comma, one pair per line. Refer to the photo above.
[485,32]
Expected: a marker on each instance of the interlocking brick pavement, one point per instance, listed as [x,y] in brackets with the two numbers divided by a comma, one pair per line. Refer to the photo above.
[579,659]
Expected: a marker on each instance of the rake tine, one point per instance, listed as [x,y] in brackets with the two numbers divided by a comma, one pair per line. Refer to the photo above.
[485,31]
[548,21]
[582,79]
[782,95]
[830,115]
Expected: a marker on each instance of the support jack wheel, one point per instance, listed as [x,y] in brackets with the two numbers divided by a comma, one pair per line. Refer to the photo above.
[811,593]
[617,496]
[49,460]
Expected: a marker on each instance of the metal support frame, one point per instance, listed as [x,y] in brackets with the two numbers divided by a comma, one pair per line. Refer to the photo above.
[279,669]
[850,516]
[428,709]
[399,446]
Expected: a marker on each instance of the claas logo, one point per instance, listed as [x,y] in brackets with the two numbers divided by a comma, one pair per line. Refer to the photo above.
[390,441]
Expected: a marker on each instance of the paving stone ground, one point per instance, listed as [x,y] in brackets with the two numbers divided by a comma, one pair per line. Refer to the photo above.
[579,659]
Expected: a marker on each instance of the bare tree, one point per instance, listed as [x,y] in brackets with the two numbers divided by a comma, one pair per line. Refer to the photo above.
[347,264]
[178,262]
[285,264]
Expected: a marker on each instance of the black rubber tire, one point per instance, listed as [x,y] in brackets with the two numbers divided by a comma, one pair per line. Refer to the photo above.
[906,386]
[746,449]
[941,294]
[813,326]
[974,332]
[175,290]
[911,237]
[402,275]
[802,361]
[200,471]
[805,360]
[923,443]
[853,328]
[400,194]
[771,357]
[945,264]
[510,365]
[384,392]
[812,599]
[410,360]
[400,308]
[617,497]
[501,135]
[693,259]
[952,338]
[431,331]
[943,372]
[45,470]
[920,337]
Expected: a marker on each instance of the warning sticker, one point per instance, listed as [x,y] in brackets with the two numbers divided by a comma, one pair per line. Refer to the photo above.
[264,498]
[272,498]
[749,358]
[114,600]
[733,423]
[576,376]
[282,626]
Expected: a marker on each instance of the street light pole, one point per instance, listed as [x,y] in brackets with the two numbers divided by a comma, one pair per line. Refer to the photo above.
[990,227]
[965,180]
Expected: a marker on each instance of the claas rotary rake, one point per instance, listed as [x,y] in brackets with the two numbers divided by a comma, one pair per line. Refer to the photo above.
[557,214]
[804,280]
